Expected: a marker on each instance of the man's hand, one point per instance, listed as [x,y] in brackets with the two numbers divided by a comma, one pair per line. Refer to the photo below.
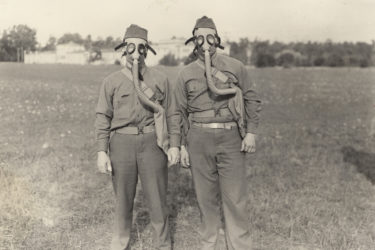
[248,143]
[104,163]
[185,161]
[173,155]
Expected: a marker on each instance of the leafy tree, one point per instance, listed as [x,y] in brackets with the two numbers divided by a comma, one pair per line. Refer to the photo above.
[87,42]
[241,50]
[51,44]
[70,37]
[15,41]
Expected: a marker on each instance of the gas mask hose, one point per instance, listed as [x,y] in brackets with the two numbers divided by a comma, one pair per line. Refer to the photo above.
[210,81]
[156,108]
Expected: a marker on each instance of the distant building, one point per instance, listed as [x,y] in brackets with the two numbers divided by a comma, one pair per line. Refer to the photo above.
[110,56]
[67,53]
[73,53]
[175,46]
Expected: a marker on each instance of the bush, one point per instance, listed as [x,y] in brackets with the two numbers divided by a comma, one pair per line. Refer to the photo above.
[169,60]
[265,60]
[286,60]
[335,60]
[319,61]
[364,63]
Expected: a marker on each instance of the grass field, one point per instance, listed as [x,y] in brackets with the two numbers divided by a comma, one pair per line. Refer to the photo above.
[311,182]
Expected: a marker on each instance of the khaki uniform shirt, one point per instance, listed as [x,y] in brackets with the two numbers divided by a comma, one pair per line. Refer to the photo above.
[118,105]
[191,94]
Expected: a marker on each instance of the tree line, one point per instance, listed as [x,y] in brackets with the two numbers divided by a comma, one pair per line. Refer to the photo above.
[20,38]
[304,54]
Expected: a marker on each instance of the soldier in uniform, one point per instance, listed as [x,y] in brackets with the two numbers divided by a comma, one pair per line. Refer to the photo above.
[132,138]
[216,93]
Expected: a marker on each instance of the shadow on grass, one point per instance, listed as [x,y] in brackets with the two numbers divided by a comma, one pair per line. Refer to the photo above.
[365,162]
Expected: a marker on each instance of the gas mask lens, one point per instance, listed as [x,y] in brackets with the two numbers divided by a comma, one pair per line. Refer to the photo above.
[141,49]
[209,38]
[131,48]
[200,41]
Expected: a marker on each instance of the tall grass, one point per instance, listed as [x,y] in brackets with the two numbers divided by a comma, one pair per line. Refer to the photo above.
[303,194]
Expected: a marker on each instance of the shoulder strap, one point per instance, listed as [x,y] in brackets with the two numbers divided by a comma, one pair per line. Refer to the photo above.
[144,87]
[215,72]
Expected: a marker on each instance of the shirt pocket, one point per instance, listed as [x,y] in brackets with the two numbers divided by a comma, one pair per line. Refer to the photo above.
[195,87]
[124,103]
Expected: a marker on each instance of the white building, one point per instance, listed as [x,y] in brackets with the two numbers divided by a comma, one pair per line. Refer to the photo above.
[67,53]
[175,46]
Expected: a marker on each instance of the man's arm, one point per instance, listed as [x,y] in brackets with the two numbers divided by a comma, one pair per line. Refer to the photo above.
[252,101]
[104,114]
[177,113]
[252,105]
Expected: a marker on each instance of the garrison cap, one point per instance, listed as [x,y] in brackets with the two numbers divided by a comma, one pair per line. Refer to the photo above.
[135,31]
[204,22]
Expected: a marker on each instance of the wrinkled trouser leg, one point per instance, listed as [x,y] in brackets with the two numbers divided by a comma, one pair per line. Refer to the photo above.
[218,169]
[153,172]
[233,187]
[132,155]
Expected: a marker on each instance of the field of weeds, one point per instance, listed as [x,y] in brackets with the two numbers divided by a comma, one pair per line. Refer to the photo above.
[311,182]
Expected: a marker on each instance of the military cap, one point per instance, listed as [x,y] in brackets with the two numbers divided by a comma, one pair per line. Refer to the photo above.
[204,22]
[135,31]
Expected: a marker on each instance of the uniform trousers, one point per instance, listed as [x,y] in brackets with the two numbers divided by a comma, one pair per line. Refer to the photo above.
[133,155]
[219,174]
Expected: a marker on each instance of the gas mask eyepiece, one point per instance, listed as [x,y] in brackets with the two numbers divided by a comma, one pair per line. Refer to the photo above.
[131,48]
[200,40]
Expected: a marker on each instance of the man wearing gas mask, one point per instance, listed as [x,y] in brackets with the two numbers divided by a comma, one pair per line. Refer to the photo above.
[131,108]
[215,92]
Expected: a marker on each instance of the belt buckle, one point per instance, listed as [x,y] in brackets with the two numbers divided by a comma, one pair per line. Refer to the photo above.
[227,126]
[140,130]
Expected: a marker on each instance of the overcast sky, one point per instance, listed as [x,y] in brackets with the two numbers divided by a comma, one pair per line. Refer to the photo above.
[283,20]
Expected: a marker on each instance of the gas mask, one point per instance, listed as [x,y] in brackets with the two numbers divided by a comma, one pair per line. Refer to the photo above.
[206,40]
[135,48]
[205,43]
[135,52]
